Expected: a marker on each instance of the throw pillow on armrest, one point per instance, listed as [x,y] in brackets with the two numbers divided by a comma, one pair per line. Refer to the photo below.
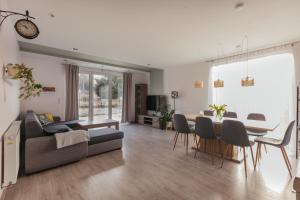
[51,130]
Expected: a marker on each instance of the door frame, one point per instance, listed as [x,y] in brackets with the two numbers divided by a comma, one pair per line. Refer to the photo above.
[92,73]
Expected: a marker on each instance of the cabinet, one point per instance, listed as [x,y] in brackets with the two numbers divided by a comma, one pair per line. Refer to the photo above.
[149,120]
[140,100]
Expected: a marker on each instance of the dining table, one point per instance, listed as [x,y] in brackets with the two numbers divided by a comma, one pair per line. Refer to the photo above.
[216,146]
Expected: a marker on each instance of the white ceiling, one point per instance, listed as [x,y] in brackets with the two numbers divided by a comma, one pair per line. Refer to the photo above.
[163,33]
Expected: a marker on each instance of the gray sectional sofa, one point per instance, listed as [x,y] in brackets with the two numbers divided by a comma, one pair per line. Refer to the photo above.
[40,144]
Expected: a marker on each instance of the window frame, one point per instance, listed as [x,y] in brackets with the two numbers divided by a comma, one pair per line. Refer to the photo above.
[91,72]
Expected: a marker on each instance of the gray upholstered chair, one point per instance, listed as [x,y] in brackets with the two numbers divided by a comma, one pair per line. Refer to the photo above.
[277,143]
[234,133]
[255,132]
[181,126]
[208,113]
[229,114]
[205,130]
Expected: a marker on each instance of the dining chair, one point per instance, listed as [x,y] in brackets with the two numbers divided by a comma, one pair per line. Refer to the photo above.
[205,130]
[208,113]
[255,132]
[234,133]
[181,126]
[277,143]
[230,114]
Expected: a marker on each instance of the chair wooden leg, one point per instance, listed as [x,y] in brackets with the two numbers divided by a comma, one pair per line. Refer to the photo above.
[197,148]
[251,150]
[285,160]
[187,143]
[257,155]
[265,148]
[245,161]
[176,137]
[184,139]
[224,153]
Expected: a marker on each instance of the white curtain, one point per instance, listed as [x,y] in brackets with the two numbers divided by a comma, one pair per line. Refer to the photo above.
[272,93]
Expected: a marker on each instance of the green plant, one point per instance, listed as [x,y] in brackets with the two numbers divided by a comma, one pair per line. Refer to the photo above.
[219,110]
[29,87]
[166,116]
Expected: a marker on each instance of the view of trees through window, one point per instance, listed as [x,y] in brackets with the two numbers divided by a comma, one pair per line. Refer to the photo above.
[107,95]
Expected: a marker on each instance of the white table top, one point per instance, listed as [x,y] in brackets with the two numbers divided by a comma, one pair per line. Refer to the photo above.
[253,124]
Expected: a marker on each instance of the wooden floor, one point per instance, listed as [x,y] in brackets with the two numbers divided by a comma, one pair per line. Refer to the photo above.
[147,168]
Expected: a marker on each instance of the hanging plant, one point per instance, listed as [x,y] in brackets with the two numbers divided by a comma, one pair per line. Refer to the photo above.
[29,88]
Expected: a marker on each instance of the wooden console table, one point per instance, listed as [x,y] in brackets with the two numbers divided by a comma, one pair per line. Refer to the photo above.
[99,123]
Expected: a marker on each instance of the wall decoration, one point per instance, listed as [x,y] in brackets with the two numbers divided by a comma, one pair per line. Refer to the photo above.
[19,71]
[24,27]
[48,89]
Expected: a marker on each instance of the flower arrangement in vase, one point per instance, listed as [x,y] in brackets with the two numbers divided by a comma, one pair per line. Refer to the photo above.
[219,110]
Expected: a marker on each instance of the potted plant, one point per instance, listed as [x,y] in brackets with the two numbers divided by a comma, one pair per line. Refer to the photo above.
[166,117]
[219,110]
[23,73]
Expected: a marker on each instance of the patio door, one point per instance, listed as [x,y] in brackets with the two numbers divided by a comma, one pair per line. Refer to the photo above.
[100,96]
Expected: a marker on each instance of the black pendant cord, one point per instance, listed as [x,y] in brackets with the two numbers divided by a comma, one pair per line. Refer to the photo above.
[4,14]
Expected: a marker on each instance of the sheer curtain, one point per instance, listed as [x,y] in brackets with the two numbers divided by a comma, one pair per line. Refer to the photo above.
[272,93]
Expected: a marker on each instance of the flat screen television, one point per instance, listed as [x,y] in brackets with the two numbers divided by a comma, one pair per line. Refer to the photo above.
[156,102]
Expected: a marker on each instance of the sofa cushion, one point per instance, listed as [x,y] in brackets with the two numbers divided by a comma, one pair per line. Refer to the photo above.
[33,127]
[51,130]
[99,135]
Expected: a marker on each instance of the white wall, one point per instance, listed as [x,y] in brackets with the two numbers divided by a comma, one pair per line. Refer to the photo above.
[9,89]
[181,79]
[297,62]
[50,72]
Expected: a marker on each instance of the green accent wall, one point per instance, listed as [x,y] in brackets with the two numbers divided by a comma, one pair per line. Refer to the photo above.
[157,82]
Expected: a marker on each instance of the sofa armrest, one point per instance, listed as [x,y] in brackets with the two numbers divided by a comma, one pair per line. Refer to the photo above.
[40,145]
[41,153]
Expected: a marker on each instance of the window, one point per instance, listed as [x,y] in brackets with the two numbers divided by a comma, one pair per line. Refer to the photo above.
[100,96]
[272,93]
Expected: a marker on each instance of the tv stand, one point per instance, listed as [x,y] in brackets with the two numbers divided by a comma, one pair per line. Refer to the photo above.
[149,120]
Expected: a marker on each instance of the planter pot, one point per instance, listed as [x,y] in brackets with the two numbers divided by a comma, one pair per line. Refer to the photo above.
[11,70]
[163,125]
[169,125]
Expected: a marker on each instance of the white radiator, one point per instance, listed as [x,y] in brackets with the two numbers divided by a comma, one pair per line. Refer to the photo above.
[11,154]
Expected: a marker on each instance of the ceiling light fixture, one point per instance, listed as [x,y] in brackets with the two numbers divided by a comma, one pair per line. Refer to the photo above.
[247,81]
[198,84]
[239,6]
[219,83]
[51,15]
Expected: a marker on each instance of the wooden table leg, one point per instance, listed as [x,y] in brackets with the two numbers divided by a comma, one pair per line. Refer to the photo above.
[117,125]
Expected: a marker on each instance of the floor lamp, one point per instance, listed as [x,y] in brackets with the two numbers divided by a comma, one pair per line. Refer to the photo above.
[174,95]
